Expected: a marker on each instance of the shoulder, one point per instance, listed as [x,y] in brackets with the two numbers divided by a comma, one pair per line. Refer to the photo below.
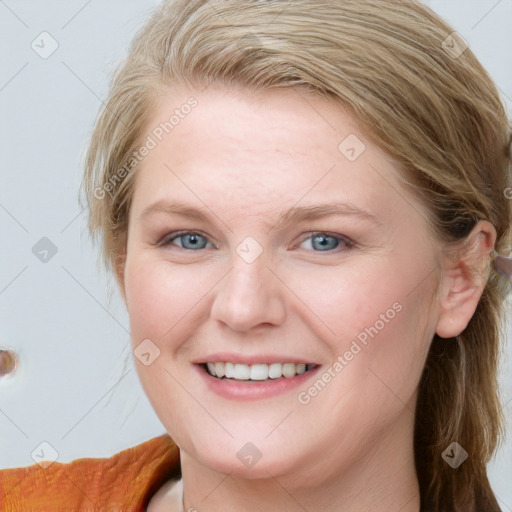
[124,482]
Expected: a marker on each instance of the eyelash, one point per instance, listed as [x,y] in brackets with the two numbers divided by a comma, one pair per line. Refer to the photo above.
[167,240]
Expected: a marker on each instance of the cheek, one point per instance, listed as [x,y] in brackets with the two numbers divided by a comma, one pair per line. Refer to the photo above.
[350,298]
[160,297]
[378,319]
[161,300]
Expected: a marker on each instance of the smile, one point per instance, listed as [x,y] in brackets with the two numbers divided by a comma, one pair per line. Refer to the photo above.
[256,372]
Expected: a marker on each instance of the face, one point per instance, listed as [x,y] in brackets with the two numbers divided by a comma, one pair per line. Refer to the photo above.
[267,228]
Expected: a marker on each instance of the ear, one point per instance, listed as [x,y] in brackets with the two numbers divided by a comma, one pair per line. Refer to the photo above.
[465,274]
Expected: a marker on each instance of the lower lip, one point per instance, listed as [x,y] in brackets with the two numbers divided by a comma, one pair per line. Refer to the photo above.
[253,390]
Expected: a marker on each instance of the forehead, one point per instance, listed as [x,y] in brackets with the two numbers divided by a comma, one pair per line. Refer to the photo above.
[258,152]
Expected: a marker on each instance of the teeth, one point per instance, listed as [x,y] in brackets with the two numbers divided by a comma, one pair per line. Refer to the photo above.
[242,371]
[230,370]
[220,370]
[256,372]
[289,370]
[275,370]
[259,372]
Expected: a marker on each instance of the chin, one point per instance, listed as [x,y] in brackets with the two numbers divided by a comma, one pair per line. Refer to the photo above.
[245,459]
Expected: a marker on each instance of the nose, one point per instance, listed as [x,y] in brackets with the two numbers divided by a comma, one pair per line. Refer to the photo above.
[250,296]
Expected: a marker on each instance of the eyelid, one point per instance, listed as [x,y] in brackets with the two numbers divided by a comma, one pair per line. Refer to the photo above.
[167,238]
[342,238]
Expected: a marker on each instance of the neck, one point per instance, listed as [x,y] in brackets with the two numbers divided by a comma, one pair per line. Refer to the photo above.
[381,479]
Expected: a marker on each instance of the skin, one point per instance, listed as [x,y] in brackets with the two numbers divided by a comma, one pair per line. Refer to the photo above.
[244,159]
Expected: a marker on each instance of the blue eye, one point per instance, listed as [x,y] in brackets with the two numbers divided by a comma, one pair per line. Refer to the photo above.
[323,242]
[189,240]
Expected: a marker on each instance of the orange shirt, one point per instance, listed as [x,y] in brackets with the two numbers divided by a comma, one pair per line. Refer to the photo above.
[124,482]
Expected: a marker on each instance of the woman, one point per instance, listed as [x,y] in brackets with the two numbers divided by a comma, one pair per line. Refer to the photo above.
[301,202]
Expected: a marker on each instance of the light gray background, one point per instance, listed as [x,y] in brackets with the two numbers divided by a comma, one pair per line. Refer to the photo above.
[73,388]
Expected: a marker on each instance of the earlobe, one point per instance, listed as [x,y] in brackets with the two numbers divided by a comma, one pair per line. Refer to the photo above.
[464,280]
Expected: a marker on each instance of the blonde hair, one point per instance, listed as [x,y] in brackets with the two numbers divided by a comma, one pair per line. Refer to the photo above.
[419,94]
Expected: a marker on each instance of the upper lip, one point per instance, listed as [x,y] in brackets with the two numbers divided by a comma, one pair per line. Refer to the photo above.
[250,360]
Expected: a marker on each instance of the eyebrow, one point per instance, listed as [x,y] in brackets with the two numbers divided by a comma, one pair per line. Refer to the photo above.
[293,215]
